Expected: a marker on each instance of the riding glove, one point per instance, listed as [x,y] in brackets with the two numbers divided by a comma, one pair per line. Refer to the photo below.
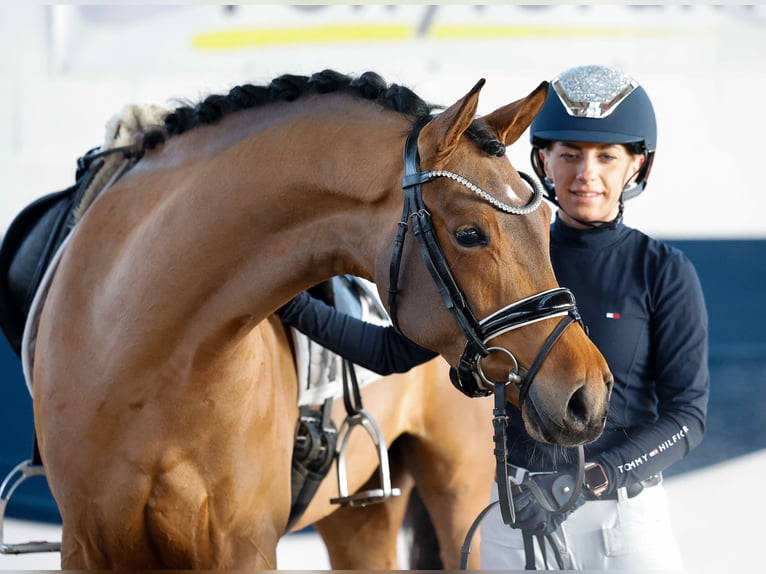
[538,499]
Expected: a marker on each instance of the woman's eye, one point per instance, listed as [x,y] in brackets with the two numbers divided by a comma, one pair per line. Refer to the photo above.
[471,237]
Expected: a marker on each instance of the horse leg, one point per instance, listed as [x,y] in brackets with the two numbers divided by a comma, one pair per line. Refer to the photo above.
[73,554]
[423,548]
[366,538]
[453,479]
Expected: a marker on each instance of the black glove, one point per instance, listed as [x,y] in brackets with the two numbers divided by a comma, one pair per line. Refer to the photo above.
[538,499]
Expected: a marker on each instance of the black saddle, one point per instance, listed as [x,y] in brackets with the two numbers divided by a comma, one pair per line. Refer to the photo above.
[30,243]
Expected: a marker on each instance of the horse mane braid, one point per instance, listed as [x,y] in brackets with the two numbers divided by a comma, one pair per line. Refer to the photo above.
[289,87]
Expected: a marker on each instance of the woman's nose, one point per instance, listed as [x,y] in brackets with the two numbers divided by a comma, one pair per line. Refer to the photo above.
[587,169]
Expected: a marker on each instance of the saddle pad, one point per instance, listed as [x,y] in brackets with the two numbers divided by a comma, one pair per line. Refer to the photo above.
[320,371]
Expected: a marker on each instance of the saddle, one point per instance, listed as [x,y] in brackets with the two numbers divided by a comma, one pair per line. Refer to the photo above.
[28,246]
[39,229]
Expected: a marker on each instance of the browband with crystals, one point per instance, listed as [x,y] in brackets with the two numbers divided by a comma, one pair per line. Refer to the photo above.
[534,203]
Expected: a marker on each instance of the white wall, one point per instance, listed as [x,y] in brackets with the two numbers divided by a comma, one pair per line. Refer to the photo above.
[67,69]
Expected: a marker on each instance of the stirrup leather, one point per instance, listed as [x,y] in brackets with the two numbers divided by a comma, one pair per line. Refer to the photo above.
[18,475]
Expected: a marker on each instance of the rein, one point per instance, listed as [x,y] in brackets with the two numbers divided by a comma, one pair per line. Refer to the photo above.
[506,485]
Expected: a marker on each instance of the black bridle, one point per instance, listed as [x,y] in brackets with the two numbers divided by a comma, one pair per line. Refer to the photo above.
[469,377]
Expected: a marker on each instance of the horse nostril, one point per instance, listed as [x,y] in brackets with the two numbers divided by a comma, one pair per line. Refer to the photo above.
[577,409]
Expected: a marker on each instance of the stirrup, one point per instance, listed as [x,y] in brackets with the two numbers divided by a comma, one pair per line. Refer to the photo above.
[18,475]
[363,498]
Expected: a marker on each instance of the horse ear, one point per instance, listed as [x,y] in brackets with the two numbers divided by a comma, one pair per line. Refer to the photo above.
[510,121]
[441,135]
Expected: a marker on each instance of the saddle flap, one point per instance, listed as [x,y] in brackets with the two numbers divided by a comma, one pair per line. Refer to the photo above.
[27,248]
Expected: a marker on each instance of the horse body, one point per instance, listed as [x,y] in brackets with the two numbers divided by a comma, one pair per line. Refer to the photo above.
[165,395]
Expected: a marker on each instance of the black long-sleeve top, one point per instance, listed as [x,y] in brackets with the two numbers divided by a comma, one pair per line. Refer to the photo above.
[381,349]
[644,307]
[643,304]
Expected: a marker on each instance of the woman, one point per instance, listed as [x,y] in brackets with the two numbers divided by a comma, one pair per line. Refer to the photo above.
[593,145]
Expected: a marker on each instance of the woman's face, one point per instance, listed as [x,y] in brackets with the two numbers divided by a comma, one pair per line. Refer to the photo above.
[589,178]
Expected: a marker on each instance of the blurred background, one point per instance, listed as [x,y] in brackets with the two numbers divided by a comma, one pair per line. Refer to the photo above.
[67,69]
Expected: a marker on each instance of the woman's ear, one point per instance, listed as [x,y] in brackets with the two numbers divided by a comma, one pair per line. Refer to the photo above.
[635,167]
[543,155]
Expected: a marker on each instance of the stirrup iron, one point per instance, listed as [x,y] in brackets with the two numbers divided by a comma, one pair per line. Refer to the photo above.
[18,475]
[363,498]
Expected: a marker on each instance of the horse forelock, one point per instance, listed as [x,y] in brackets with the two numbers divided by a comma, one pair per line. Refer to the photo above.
[484,139]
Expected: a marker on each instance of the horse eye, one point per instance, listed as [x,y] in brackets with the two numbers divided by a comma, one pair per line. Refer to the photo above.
[471,237]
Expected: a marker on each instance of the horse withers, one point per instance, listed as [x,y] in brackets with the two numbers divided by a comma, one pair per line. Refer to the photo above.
[164,388]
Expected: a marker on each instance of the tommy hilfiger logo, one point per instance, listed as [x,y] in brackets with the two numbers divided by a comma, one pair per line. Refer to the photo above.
[612,315]
[662,447]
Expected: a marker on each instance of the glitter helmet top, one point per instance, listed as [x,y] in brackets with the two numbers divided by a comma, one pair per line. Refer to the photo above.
[596,104]
[592,91]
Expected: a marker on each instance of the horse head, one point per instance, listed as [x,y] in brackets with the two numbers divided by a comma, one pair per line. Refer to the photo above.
[483,232]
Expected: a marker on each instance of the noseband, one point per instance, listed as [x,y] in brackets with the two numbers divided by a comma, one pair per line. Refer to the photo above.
[469,378]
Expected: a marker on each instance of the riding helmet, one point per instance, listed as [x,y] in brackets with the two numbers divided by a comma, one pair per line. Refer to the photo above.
[596,104]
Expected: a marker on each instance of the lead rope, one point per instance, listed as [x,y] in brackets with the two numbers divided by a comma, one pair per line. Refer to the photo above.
[505,490]
[559,551]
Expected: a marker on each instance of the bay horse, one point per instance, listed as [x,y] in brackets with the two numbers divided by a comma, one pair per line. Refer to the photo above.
[164,389]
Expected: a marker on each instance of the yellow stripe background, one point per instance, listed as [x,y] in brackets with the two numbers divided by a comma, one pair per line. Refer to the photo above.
[263,37]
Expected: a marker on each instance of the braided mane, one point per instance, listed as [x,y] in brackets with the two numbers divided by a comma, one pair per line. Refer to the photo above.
[288,87]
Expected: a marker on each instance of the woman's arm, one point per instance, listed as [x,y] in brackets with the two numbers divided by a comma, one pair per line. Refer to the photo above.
[380,349]
[679,349]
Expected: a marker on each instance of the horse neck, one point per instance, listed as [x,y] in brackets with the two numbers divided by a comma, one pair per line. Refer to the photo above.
[297,201]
